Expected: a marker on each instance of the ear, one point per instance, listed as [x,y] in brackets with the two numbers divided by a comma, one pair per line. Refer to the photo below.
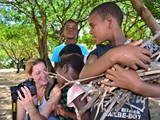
[65,68]
[110,21]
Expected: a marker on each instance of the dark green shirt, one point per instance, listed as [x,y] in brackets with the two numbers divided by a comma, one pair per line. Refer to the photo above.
[63,102]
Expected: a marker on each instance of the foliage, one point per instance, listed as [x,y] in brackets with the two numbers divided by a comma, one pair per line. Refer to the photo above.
[17,41]
[4,60]
[133,25]
[37,26]
[153,6]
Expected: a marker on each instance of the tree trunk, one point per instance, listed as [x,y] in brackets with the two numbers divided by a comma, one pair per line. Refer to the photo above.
[147,17]
[43,51]
[18,67]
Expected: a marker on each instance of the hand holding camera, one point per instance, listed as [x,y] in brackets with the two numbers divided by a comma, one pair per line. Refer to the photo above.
[26,101]
[25,91]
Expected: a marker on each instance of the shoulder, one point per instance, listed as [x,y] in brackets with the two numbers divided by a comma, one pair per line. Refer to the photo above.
[101,49]
[59,47]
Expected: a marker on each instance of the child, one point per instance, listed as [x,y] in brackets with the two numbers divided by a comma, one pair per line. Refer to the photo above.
[69,68]
[64,112]
[105,21]
[70,32]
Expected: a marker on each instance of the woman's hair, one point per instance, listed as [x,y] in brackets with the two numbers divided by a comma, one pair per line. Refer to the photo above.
[70,48]
[74,60]
[108,9]
[31,63]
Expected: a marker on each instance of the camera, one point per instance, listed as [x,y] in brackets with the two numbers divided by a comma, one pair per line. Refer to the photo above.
[30,84]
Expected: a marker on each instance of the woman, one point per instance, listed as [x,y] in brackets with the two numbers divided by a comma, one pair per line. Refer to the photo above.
[36,69]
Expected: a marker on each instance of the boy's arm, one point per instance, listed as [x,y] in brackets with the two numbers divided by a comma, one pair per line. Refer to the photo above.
[128,55]
[128,79]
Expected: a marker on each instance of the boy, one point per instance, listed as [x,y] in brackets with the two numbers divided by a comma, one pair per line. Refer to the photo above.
[70,32]
[105,21]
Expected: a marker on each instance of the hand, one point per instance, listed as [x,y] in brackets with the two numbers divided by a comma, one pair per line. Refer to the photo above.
[55,96]
[122,78]
[131,56]
[137,42]
[60,110]
[26,101]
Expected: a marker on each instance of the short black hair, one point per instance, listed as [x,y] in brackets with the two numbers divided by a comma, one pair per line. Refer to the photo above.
[74,60]
[70,20]
[70,48]
[109,9]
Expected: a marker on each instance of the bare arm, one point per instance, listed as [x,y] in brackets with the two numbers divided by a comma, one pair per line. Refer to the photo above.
[20,111]
[128,79]
[128,55]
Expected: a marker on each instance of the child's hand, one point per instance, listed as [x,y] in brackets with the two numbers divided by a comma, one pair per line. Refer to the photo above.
[55,96]
[26,101]
[131,56]
[60,110]
[122,78]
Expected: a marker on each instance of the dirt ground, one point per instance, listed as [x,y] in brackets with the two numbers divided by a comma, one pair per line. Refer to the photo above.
[8,79]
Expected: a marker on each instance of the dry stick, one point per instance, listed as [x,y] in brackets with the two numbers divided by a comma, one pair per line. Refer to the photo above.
[89,104]
[101,101]
[157,58]
[155,65]
[122,100]
[152,39]
[151,78]
[149,73]
[115,98]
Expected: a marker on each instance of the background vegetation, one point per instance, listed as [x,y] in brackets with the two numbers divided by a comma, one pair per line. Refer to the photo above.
[31,28]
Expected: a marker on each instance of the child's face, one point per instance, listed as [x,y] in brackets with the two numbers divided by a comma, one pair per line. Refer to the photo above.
[99,28]
[60,80]
[70,30]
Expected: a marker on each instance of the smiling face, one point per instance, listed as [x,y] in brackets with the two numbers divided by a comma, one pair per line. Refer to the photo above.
[40,74]
[99,28]
[70,30]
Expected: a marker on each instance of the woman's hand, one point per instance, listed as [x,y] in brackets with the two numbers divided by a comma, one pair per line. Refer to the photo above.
[26,101]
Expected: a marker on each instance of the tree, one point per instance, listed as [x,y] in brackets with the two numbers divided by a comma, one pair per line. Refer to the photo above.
[16,41]
[146,15]
[50,16]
